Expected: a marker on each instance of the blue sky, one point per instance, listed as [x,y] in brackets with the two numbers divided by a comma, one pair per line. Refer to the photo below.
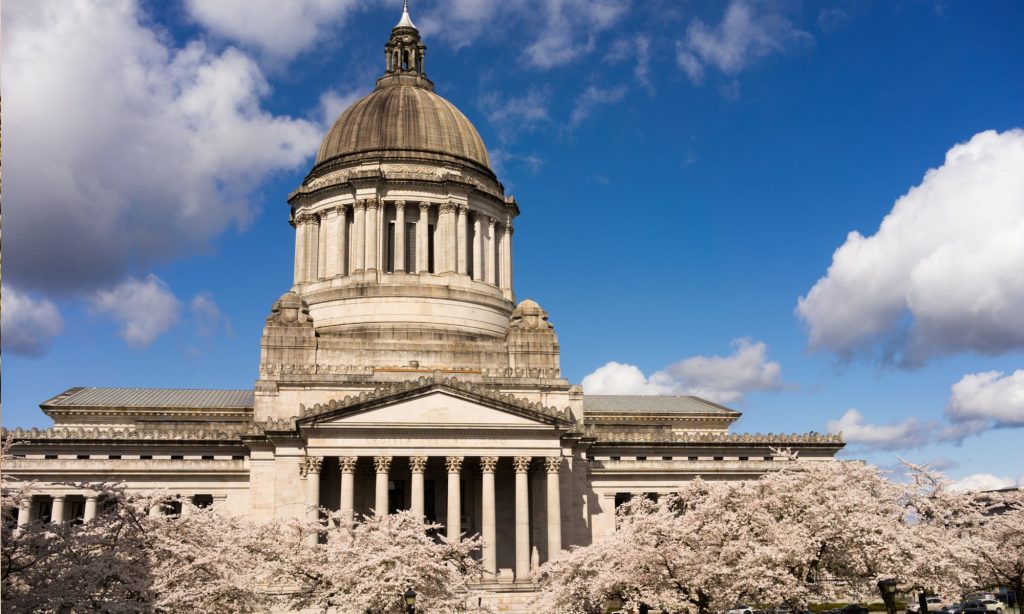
[686,171]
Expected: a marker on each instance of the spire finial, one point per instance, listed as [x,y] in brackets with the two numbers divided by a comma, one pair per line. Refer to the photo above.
[406,21]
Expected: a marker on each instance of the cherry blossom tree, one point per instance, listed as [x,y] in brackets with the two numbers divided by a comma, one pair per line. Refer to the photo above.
[998,555]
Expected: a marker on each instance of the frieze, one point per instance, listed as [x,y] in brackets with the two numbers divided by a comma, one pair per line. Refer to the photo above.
[65,433]
[278,368]
[604,435]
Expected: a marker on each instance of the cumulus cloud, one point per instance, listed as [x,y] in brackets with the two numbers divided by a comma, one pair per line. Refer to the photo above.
[551,32]
[122,150]
[144,309]
[637,48]
[990,397]
[721,379]
[906,435]
[28,325]
[207,316]
[942,274]
[744,35]
[513,114]
[986,481]
[592,97]
[279,29]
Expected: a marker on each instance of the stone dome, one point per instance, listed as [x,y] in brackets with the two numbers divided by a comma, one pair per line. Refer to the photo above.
[403,118]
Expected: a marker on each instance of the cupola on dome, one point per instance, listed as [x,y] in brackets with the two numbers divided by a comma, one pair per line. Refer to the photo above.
[403,117]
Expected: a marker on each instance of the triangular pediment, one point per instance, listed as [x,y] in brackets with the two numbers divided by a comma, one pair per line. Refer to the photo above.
[434,402]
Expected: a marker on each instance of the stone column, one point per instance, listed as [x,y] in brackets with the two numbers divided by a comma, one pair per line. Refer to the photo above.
[422,228]
[341,242]
[418,464]
[478,251]
[446,221]
[329,243]
[57,511]
[382,464]
[300,250]
[462,240]
[506,256]
[492,275]
[399,245]
[359,236]
[347,466]
[490,530]
[323,238]
[24,511]
[522,466]
[454,527]
[309,469]
[312,246]
[372,214]
[553,465]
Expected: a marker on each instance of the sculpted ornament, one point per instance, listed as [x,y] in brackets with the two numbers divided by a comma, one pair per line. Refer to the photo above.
[528,315]
[310,464]
[382,464]
[347,464]
[521,463]
[418,464]
[488,463]
[453,464]
[289,310]
[553,464]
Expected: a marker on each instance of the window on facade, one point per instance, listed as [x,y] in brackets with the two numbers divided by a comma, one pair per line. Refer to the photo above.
[238,457]
[621,498]
[171,508]
[114,457]
[202,501]
[641,458]
[82,456]
[430,248]
[389,249]
[177,457]
[50,456]
[145,457]
[410,247]
[45,511]
[769,458]
[615,458]
[693,458]
[666,458]
[743,458]
[207,456]
[719,458]
[77,510]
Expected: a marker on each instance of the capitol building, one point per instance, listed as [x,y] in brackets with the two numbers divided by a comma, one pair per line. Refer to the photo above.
[398,371]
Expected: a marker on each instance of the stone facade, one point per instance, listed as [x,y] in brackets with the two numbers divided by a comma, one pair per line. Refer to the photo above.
[398,372]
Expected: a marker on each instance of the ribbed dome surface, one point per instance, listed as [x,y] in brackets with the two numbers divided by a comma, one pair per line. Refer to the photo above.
[403,117]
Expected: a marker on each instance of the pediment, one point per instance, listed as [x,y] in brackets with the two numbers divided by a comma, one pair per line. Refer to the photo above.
[431,402]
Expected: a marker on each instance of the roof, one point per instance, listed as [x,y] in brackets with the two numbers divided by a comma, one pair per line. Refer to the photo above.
[403,115]
[185,398]
[651,404]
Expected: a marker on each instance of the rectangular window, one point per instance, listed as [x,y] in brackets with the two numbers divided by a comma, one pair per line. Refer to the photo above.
[207,456]
[719,458]
[172,509]
[389,249]
[202,501]
[114,457]
[50,457]
[641,458]
[145,457]
[410,247]
[77,508]
[430,249]
[238,457]
[666,458]
[177,457]
[82,457]
[769,458]
[45,511]
[743,458]
[693,458]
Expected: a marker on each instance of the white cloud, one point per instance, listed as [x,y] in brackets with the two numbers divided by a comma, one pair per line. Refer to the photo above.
[986,481]
[943,272]
[513,114]
[722,379]
[743,36]
[279,29]
[333,103]
[551,32]
[989,397]
[638,48]
[28,325]
[592,97]
[909,434]
[121,150]
[144,309]
[207,316]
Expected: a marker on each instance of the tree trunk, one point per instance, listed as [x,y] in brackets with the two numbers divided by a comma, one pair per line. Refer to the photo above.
[922,603]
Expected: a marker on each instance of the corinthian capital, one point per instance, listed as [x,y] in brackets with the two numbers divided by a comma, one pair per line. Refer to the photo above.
[488,463]
[382,464]
[347,464]
[553,463]
[521,463]
[418,464]
[453,464]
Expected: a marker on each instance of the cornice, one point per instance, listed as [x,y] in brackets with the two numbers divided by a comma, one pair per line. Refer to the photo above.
[613,437]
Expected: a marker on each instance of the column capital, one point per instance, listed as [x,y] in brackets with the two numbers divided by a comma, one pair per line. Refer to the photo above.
[447,207]
[490,222]
[347,464]
[382,464]
[307,218]
[310,464]
[453,463]
[462,208]
[488,463]
[521,463]
[374,203]
[552,463]
[399,204]
[508,225]
[343,208]
[359,203]
[58,497]
[424,206]
[418,464]
[92,497]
